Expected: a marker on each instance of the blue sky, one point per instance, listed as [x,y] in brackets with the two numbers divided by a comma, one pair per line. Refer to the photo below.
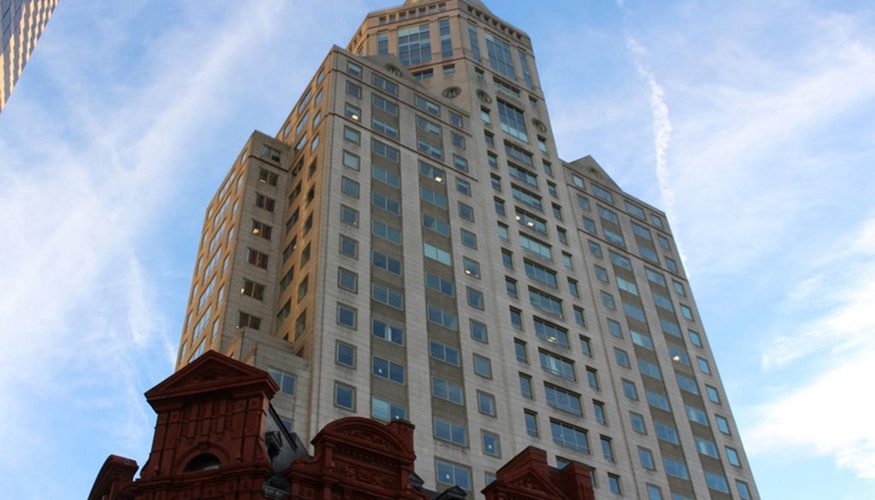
[749,122]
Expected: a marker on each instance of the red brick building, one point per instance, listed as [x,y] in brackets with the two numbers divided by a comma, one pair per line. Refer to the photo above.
[217,437]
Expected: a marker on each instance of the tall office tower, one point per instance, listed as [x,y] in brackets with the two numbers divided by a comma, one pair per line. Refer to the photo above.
[23,21]
[409,245]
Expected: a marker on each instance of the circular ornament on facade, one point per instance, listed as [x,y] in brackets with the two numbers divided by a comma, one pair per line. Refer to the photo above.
[539,126]
[595,173]
[452,92]
[483,96]
[394,70]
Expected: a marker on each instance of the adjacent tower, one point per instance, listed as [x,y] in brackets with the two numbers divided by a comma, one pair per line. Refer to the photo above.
[410,245]
[21,24]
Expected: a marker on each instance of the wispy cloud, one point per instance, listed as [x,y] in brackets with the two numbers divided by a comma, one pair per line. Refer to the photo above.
[82,315]
[661,122]
[830,411]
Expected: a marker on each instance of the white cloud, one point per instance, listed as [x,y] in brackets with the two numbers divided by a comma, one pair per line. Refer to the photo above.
[81,313]
[661,123]
[830,411]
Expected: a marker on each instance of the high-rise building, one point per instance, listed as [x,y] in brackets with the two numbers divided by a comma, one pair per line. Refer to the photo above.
[21,25]
[410,245]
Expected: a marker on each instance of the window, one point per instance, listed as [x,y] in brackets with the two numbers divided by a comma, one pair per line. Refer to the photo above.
[460,163]
[743,490]
[500,58]
[686,312]
[536,247]
[687,384]
[384,84]
[347,316]
[579,317]
[722,424]
[427,105]
[595,249]
[550,332]
[666,433]
[285,381]
[266,177]
[592,378]
[486,403]
[695,338]
[516,318]
[491,444]
[646,458]
[388,370]
[676,468]
[614,484]
[557,365]
[569,436]
[482,366]
[387,331]
[442,318]
[472,267]
[453,474]
[526,386]
[437,254]
[414,45]
[540,273]
[344,396]
[637,421]
[353,112]
[529,199]
[563,399]
[653,492]
[696,415]
[264,202]
[251,289]
[439,226]
[386,410]
[389,296]
[513,120]
[601,192]
[716,481]
[440,284]
[386,232]
[351,135]
[478,331]
[545,302]
[630,390]
[433,197]
[466,212]
[347,280]
[531,423]
[450,432]
[256,258]
[622,357]
[353,89]
[387,263]
[345,355]
[246,320]
[608,300]
[704,367]
[469,239]
[713,394]
[444,352]
[447,391]
[658,400]
[522,354]
[349,215]
[732,456]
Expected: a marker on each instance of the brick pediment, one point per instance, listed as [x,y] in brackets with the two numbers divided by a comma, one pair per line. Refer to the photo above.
[212,372]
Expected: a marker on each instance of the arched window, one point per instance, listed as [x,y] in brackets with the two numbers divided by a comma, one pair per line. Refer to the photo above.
[202,462]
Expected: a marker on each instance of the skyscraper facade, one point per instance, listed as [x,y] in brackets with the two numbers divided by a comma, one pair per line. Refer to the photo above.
[410,245]
[21,25]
